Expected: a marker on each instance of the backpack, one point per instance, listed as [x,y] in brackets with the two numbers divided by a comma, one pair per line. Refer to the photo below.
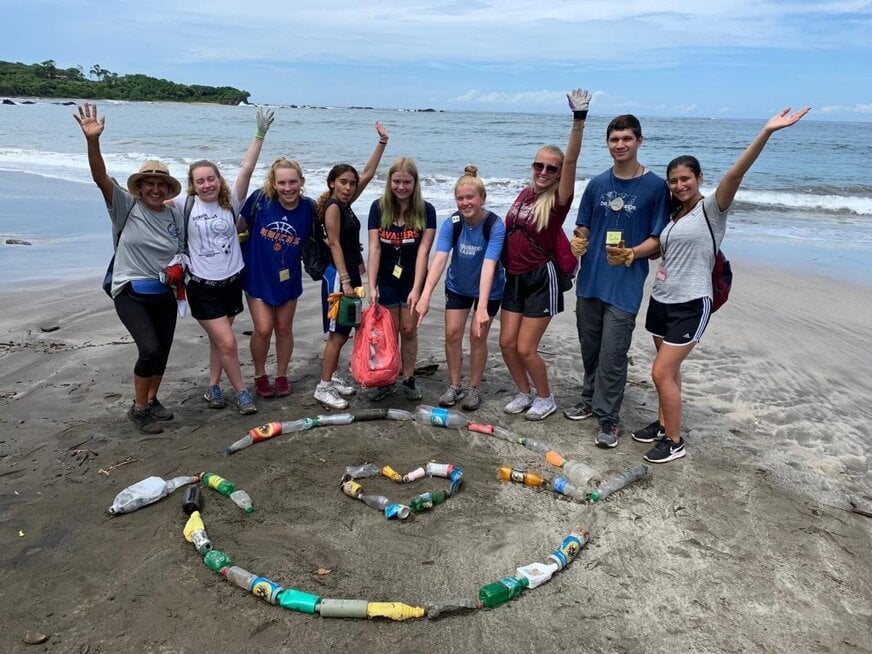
[565,263]
[457,226]
[375,359]
[315,252]
[722,272]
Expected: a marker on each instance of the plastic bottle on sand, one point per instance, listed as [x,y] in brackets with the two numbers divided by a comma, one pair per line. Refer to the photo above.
[507,473]
[500,592]
[428,415]
[619,481]
[242,500]
[218,483]
[146,492]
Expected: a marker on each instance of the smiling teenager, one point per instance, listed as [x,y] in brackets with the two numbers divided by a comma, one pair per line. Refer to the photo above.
[214,289]
[147,234]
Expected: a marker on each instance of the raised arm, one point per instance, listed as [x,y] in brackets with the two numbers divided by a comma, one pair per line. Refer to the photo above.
[579,101]
[92,128]
[369,170]
[264,119]
[730,183]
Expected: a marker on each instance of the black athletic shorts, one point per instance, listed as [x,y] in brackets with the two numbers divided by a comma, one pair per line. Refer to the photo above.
[215,299]
[536,294]
[681,323]
[454,301]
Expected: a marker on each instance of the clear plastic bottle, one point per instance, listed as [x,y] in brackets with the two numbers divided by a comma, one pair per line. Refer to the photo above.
[563,486]
[242,500]
[146,492]
[578,473]
[535,446]
[400,415]
[619,481]
[338,419]
[507,473]
[499,592]
[239,576]
[378,502]
[428,415]
[362,471]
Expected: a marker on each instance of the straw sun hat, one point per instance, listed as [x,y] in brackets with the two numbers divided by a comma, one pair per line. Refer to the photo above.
[153,168]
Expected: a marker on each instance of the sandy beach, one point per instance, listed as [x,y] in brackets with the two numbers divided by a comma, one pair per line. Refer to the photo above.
[748,544]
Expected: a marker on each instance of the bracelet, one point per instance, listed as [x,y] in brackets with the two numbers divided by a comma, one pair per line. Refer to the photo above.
[383,141]
[579,115]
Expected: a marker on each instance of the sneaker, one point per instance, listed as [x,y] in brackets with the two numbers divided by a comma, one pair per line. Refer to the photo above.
[520,403]
[542,408]
[283,387]
[215,397]
[472,400]
[413,393]
[342,386]
[326,394]
[608,434]
[144,421]
[262,386]
[380,393]
[158,410]
[665,450]
[451,396]
[245,403]
[580,411]
[649,434]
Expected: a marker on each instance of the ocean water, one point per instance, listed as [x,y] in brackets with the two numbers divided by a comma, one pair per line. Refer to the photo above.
[807,202]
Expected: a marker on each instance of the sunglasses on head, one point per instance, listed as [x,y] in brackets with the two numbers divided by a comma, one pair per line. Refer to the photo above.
[538,166]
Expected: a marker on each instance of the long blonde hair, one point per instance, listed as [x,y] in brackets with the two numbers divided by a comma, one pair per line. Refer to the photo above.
[224,190]
[269,188]
[547,198]
[390,208]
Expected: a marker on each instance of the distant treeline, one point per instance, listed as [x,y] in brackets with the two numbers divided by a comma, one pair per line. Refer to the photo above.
[46,80]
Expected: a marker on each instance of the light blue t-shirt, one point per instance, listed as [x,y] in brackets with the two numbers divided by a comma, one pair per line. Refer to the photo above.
[644,212]
[464,270]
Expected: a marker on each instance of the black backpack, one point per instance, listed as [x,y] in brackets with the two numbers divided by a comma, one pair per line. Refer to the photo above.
[315,252]
[457,226]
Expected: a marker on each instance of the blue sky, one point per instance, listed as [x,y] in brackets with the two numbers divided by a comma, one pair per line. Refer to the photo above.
[710,58]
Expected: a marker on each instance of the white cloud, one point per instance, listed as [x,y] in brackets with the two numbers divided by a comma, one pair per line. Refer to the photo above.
[839,109]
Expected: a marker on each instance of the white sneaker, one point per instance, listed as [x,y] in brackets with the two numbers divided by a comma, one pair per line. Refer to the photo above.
[520,403]
[342,386]
[542,408]
[326,394]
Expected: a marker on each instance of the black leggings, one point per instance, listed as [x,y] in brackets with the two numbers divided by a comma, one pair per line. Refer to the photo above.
[151,321]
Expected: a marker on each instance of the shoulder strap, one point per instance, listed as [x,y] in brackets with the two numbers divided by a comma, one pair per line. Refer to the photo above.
[189,207]
[457,225]
[123,223]
[711,231]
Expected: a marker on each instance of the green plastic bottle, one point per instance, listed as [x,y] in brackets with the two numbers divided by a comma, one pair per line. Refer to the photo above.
[500,592]
[427,500]
[216,559]
[297,600]
[211,480]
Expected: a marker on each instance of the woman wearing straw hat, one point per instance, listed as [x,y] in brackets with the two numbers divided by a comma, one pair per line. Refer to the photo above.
[148,234]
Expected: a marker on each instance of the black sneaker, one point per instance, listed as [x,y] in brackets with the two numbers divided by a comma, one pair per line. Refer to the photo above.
[580,411]
[649,434]
[144,420]
[413,393]
[608,434]
[159,411]
[666,451]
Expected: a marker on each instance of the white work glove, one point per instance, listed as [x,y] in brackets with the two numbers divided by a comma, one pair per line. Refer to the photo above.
[265,118]
[579,101]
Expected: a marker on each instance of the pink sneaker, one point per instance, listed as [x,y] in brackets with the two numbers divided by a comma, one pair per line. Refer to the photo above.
[263,387]
[283,387]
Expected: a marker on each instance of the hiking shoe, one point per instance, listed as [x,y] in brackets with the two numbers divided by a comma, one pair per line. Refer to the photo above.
[649,434]
[342,386]
[542,408]
[262,387]
[143,420]
[452,395]
[472,400]
[520,403]
[411,390]
[665,450]
[245,403]
[380,393]
[283,387]
[158,410]
[608,434]
[215,397]
[580,411]
[325,393]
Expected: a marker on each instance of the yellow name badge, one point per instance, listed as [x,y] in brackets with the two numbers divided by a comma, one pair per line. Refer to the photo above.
[398,271]
[284,275]
[613,237]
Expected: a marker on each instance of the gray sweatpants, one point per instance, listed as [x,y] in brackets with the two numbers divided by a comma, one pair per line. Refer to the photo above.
[605,333]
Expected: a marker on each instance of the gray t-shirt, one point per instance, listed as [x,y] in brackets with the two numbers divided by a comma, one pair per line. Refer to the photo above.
[149,239]
[685,271]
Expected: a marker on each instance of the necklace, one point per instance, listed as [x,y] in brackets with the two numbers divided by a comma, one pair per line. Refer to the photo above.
[617,201]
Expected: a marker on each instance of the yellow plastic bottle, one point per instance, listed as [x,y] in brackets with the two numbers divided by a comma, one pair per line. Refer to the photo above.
[391,474]
[393,611]
[507,473]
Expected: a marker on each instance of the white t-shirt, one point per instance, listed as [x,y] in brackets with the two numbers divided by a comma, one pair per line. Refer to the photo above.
[213,246]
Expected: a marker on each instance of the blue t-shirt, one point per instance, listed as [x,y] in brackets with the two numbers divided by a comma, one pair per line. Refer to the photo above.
[273,272]
[464,270]
[644,213]
[399,245]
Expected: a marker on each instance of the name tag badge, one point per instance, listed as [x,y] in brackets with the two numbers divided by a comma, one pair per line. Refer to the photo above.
[613,237]
[398,271]
[661,272]
[284,275]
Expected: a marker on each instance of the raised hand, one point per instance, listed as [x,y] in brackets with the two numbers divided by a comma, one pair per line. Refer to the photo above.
[782,119]
[265,119]
[579,101]
[382,132]
[87,119]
